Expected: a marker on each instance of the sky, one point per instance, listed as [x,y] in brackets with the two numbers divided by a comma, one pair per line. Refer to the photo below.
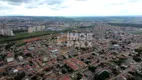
[70,7]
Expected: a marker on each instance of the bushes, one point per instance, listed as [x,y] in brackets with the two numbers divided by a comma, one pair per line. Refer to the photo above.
[139,50]
[102,76]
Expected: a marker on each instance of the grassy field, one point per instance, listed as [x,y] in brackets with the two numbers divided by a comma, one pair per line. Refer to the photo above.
[24,35]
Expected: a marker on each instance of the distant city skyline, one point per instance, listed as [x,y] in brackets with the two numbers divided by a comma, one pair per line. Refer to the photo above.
[70,7]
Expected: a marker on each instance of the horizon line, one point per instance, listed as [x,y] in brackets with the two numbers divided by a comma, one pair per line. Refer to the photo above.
[71,16]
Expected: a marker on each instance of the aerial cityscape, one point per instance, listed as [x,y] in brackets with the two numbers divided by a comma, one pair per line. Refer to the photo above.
[61,44]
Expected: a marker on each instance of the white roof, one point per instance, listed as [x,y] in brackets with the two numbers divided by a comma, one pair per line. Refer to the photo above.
[26,79]
[15,70]
[20,57]
[54,50]
[10,59]
[44,59]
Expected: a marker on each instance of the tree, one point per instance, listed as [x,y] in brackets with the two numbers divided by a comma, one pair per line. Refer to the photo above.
[87,62]
[102,76]
[64,71]
[92,68]
[79,76]
[137,59]
[139,50]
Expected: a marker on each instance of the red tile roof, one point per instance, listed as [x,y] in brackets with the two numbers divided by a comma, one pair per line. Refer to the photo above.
[65,77]
[28,67]
[34,63]
[10,63]
[78,62]
[39,62]
[19,68]
[49,63]
[26,51]
[9,54]
[72,65]
[2,70]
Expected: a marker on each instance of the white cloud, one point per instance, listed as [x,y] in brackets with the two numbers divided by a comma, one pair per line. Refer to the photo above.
[75,8]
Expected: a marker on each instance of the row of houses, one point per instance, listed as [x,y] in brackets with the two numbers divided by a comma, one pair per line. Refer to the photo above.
[75,64]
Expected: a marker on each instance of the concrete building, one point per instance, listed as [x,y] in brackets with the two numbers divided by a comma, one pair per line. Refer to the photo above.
[39,28]
[1,32]
[34,29]
[30,30]
[6,32]
[42,27]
